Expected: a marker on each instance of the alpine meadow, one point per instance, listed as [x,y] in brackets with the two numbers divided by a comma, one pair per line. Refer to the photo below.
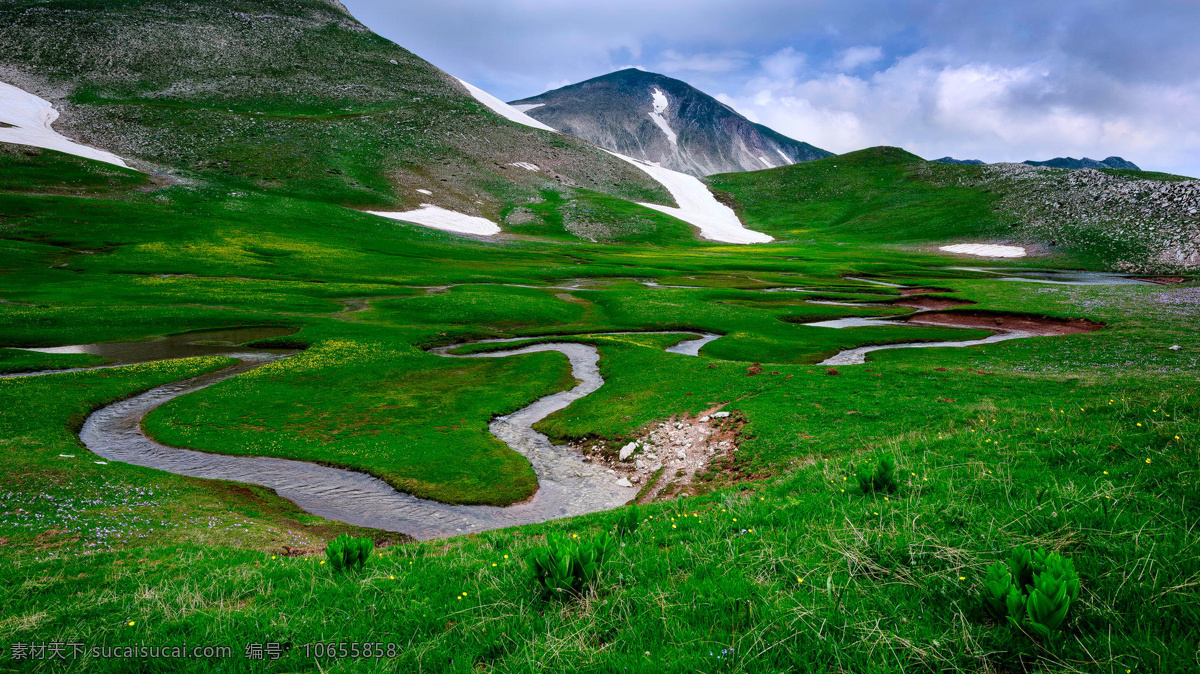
[316,358]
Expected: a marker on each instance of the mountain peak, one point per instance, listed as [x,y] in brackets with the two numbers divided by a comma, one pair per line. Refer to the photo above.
[660,119]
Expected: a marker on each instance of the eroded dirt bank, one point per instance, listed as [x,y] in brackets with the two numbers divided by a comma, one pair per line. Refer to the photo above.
[1042,326]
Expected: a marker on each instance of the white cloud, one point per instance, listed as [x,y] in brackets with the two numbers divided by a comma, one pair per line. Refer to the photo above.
[856,57]
[934,103]
[720,62]
[783,64]
[1013,80]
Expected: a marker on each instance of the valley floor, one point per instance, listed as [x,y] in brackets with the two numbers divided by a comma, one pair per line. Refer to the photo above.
[767,558]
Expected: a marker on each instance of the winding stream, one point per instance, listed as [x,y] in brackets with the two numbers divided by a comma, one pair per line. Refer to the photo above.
[567,485]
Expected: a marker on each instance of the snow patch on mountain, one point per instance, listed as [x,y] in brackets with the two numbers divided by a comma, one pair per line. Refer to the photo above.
[784,156]
[437,217]
[503,109]
[765,162]
[25,119]
[526,107]
[985,250]
[660,103]
[697,205]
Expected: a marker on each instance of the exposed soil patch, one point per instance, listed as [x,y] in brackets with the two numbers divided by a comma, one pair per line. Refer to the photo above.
[1163,280]
[926,302]
[1029,323]
[922,291]
[686,453]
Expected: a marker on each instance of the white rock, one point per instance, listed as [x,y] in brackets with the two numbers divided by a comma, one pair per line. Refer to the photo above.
[635,479]
[639,464]
[1174,347]
[624,482]
[703,419]
[720,415]
[681,455]
[627,451]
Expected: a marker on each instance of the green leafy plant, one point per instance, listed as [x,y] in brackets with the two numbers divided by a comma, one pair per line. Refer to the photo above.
[879,476]
[565,568]
[628,522]
[348,552]
[1033,591]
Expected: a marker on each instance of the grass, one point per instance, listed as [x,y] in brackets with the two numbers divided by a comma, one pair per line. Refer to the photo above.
[880,194]
[417,421]
[793,573]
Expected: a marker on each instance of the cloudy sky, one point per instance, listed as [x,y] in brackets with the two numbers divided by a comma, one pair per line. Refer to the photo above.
[975,79]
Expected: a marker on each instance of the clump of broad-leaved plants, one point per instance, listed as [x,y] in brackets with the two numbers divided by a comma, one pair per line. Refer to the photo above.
[1033,591]
[566,567]
[348,552]
[878,476]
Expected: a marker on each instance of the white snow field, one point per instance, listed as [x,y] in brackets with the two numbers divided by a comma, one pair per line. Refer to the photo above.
[785,157]
[504,109]
[437,217]
[28,119]
[697,206]
[985,250]
[660,103]
[526,107]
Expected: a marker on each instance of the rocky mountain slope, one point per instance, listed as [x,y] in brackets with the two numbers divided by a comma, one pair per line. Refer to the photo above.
[1134,221]
[290,96]
[663,120]
[1146,223]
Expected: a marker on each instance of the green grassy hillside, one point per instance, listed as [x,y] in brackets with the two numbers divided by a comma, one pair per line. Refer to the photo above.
[1116,219]
[880,194]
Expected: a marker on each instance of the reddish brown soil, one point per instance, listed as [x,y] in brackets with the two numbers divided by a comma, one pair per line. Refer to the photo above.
[931,303]
[1038,325]
[1163,280]
[921,291]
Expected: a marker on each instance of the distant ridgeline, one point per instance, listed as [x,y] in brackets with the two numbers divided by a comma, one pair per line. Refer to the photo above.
[1059,162]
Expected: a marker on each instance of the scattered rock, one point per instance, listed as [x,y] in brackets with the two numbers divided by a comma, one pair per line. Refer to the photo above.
[703,420]
[681,455]
[1174,347]
[720,415]
[627,451]
[624,482]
